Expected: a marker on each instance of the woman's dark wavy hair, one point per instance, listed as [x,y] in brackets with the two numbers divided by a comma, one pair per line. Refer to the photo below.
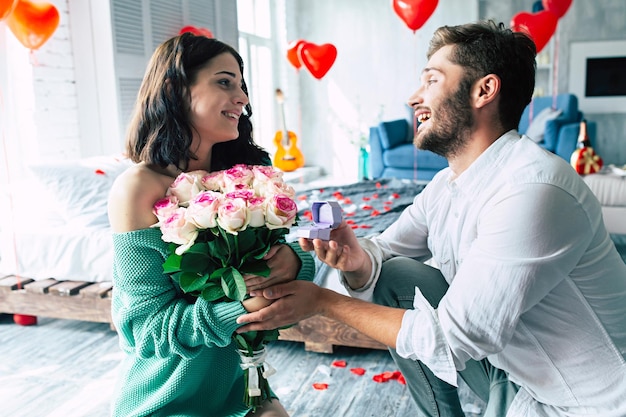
[488,48]
[160,131]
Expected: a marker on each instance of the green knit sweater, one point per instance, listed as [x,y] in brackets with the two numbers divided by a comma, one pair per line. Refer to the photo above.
[180,359]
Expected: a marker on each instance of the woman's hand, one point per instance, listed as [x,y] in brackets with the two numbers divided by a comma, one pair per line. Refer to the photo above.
[284,265]
[253,304]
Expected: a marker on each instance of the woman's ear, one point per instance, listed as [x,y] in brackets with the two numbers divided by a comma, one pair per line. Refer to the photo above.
[486,90]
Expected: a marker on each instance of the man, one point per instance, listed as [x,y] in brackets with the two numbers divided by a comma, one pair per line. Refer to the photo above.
[528,304]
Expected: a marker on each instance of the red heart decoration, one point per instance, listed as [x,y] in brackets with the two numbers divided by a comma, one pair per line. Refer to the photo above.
[33,23]
[540,26]
[558,7]
[6,7]
[317,58]
[292,53]
[414,12]
[196,31]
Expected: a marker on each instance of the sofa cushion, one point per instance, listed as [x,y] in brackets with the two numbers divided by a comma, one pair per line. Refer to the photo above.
[393,133]
[405,157]
[537,127]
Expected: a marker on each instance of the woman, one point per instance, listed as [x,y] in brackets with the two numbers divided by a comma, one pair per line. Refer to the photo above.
[192,113]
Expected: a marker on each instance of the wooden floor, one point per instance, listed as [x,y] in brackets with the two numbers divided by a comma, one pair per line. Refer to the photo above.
[67,368]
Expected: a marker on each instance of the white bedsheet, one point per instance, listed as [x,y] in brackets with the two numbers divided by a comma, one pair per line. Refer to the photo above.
[60,252]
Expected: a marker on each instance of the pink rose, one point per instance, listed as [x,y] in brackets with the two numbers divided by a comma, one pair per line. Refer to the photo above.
[184,187]
[178,230]
[232,215]
[213,181]
[165,206]
[202,210]
[237,177]
[244,194]
[256,208]
[280,211]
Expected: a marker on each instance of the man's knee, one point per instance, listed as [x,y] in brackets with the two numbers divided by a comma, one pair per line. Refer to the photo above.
[398,278]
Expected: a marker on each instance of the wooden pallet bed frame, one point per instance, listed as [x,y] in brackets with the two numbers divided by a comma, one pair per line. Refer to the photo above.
[91,301]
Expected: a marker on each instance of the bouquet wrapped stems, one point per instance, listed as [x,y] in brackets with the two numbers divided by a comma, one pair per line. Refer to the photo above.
[251,349]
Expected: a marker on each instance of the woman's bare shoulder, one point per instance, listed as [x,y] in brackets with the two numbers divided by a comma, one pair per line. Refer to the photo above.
[132,198]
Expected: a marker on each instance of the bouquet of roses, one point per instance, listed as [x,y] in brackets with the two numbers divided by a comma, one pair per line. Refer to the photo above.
[220,225]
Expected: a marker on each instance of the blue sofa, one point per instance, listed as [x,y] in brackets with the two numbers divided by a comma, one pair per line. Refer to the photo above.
[392,153]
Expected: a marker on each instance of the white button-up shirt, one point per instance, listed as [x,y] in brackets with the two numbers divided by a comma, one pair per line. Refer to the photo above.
[536,284]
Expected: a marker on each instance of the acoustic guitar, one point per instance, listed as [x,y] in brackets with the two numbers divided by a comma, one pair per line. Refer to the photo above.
[288,156]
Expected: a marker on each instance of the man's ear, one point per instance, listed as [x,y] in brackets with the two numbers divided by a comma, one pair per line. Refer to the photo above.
[486,89]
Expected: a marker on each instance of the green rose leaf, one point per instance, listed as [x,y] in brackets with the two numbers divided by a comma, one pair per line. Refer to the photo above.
[233,284]
[259,268]
[192,281]
[172,263]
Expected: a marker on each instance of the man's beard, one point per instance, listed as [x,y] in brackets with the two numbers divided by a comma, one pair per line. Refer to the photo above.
[454,121]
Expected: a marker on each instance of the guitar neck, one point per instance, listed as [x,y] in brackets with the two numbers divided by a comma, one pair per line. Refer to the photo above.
[283,123]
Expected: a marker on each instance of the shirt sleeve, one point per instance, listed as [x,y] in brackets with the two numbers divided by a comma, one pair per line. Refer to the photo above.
[148,310]
[528,239]
[407,236]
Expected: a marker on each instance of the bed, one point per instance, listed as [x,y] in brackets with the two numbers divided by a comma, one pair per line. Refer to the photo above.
[56,253]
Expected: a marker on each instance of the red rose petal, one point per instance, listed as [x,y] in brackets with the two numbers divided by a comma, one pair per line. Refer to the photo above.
[386,208]
[320,386]
[365,226]
[347,200]
[340,364]
[378,185]
[379,378]
[99,172]
[375,213]
[349,214]
[366,199]
[350,221]
[354,226]
[401,380]
[366,207]
[357,371]
[375,195]
[395,195]
[302,197]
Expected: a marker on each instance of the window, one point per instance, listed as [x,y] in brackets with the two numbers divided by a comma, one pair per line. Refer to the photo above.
[257,46]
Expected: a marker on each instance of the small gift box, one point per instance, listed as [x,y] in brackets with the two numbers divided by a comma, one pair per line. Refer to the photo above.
[327,215]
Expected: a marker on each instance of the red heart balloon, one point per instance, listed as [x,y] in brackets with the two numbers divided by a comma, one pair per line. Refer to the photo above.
[317,58]
[414,12]
[6,7]
[196,31]
[558,7]
[33,23]
[292,53]
[540,26]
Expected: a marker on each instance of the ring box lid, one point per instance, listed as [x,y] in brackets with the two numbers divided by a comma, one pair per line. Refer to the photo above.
[326,214]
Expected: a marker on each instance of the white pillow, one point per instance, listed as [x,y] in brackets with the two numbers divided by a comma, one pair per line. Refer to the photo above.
[79,189]
[537,126]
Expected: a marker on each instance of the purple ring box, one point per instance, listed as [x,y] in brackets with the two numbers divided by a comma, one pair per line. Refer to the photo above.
[327,215]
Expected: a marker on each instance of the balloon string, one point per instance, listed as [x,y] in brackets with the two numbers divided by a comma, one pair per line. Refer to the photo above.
[417,71]
[555,68]
[10,192]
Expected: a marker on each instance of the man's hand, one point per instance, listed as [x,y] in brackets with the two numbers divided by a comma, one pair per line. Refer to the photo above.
[342,252]
[292,302]
[284,265]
